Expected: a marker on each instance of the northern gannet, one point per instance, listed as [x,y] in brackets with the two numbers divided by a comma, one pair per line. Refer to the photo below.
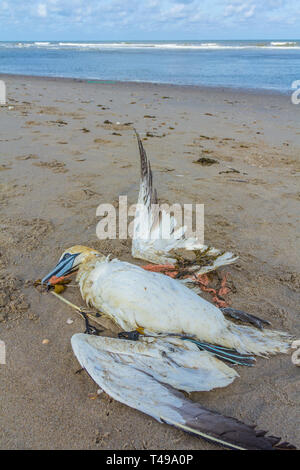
[176,323]
[154,304]
[138,299]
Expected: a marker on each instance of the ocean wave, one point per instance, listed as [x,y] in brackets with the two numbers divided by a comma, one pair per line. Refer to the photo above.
[284,44]
[178,46]
[274,45]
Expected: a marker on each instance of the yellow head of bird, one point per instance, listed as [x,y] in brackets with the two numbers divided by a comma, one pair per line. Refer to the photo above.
[70,261]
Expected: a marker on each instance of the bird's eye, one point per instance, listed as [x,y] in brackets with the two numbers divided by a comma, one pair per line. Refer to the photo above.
[66,256]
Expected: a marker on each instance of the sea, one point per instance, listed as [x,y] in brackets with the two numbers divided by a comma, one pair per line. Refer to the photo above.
[272,65]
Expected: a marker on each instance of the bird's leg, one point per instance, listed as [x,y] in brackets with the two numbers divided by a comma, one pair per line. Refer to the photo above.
[245,317]
[130,335]
[89,329]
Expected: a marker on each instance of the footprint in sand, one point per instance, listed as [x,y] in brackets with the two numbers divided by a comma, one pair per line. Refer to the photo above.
[54,165]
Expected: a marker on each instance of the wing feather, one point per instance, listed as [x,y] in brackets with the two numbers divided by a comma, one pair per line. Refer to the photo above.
[115,366]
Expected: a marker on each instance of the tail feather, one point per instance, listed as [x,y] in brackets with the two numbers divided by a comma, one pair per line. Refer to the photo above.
[248,340]
[226,354]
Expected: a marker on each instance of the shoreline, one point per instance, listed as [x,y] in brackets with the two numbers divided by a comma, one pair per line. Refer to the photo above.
[95,81]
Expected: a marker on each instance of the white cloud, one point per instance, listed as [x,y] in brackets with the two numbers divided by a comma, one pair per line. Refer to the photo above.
[97,16]
[250,12]
[42,10]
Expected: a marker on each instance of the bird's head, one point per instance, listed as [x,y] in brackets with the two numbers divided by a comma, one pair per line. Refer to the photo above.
[70,261]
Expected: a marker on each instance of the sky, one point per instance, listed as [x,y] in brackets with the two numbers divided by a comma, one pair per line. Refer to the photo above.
[148,19]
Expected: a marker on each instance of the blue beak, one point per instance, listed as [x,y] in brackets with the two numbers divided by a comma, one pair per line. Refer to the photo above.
[63,267]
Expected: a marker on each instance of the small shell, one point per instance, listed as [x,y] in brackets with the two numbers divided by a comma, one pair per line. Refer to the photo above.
[70,321]
[296,358]
[45,341]
[92,396]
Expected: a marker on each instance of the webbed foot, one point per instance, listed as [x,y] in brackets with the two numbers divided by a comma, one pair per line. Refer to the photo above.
[245,317]
[130,335]
[89,329]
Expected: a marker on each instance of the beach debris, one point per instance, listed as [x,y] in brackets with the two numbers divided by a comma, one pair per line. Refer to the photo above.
[69,321]
[230,170]
[205,137]
[150,134]
[59,122]
[148,116]
[238,181]
[59,288]
[45,341]
[116,133]
[102,141]
[2,93]
[27,157]
[166,170]
[206,161]
[107,121]
[296,354]
[84,129]
[93,396]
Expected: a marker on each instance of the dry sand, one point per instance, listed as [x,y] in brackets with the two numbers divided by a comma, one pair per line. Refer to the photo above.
[59,161]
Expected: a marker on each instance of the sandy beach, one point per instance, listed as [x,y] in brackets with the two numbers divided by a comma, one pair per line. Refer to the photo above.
[67,146]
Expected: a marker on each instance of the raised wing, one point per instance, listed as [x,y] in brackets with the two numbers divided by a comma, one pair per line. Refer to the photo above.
[139,374]
[150,244]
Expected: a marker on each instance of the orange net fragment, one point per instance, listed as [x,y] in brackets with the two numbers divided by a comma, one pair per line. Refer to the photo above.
[201,280]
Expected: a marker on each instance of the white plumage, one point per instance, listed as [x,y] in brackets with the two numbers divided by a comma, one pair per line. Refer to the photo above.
[135,298]
[169,360]
[146,375]
[155,241]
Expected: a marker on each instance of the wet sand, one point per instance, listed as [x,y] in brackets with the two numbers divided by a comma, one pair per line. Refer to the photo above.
[59,160]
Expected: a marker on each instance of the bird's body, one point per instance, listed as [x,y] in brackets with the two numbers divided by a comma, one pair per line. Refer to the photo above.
[135,298]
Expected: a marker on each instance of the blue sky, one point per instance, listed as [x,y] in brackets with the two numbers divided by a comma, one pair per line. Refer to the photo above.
[148,19]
